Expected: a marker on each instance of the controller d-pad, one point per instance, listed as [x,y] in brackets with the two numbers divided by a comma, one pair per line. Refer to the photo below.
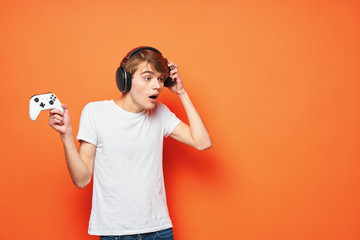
[42,105]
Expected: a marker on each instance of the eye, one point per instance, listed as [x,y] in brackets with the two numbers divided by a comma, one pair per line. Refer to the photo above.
[147,78]
[161,79]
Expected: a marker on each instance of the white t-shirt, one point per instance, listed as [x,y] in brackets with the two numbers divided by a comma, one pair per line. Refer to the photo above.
[128,183]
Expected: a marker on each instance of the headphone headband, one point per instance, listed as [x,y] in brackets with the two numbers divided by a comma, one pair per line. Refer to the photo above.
[135,50]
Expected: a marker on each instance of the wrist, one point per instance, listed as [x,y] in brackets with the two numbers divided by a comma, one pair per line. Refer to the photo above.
[67,134]
[181,93]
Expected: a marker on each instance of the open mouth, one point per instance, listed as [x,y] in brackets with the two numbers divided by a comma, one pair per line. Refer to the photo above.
[154,96]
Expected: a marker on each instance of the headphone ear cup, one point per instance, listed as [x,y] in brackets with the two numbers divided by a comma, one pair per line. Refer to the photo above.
[169,82]
[123,80]
[120,79]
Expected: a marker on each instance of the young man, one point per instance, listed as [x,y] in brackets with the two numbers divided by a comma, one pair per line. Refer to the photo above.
[121,142]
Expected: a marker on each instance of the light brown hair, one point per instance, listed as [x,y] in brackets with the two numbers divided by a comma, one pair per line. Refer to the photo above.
[156,60]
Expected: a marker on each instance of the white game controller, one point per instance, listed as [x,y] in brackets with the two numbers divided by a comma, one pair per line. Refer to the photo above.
[41,102]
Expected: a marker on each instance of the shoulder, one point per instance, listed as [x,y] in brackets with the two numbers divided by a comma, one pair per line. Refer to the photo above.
[93,109]
[97,104]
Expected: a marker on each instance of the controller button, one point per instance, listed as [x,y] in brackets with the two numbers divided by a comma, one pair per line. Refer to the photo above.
[51,102]
[36,99]
[42,105]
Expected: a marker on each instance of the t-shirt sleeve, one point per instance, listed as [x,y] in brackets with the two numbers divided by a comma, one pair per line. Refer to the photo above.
[169,119]
[87,127]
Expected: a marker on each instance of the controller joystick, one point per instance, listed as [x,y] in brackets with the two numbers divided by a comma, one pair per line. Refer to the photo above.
[41,102]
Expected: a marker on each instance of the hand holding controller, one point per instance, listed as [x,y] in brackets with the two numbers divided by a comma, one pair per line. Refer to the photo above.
[41,102]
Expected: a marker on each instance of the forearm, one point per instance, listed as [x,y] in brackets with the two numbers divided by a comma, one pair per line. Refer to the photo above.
[199,134]
[78,169]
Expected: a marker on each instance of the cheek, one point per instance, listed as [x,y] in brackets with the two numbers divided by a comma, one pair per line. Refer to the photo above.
[137,86]
[137,90]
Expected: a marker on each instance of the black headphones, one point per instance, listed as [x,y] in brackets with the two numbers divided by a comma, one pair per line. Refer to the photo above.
[123,78]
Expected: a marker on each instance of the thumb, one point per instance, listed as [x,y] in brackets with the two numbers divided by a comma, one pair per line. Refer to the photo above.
[65,107]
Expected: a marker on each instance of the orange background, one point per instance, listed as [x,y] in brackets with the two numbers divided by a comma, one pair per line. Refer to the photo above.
[277,83]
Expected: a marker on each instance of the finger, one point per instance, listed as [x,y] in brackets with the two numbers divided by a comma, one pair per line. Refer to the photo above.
[55,123]
[55,111]
[175,75]
[64,106]
[172,64]
[174,70]
[58,118]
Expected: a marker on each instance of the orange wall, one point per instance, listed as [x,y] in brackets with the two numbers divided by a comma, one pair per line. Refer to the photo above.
[277,83]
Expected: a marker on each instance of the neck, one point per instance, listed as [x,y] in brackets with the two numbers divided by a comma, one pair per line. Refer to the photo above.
[127,104]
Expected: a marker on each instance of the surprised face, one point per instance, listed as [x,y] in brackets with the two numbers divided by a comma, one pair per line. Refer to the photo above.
[146,87]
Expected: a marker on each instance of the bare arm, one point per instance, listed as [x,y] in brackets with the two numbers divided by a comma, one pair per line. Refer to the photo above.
[79,162]
[195,134]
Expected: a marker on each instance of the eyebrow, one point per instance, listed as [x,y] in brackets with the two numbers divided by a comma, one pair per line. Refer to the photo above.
[150,72]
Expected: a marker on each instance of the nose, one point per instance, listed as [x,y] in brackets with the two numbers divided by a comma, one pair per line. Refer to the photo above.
[156,84]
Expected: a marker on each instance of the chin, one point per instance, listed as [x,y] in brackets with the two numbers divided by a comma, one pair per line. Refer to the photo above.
[151,106]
